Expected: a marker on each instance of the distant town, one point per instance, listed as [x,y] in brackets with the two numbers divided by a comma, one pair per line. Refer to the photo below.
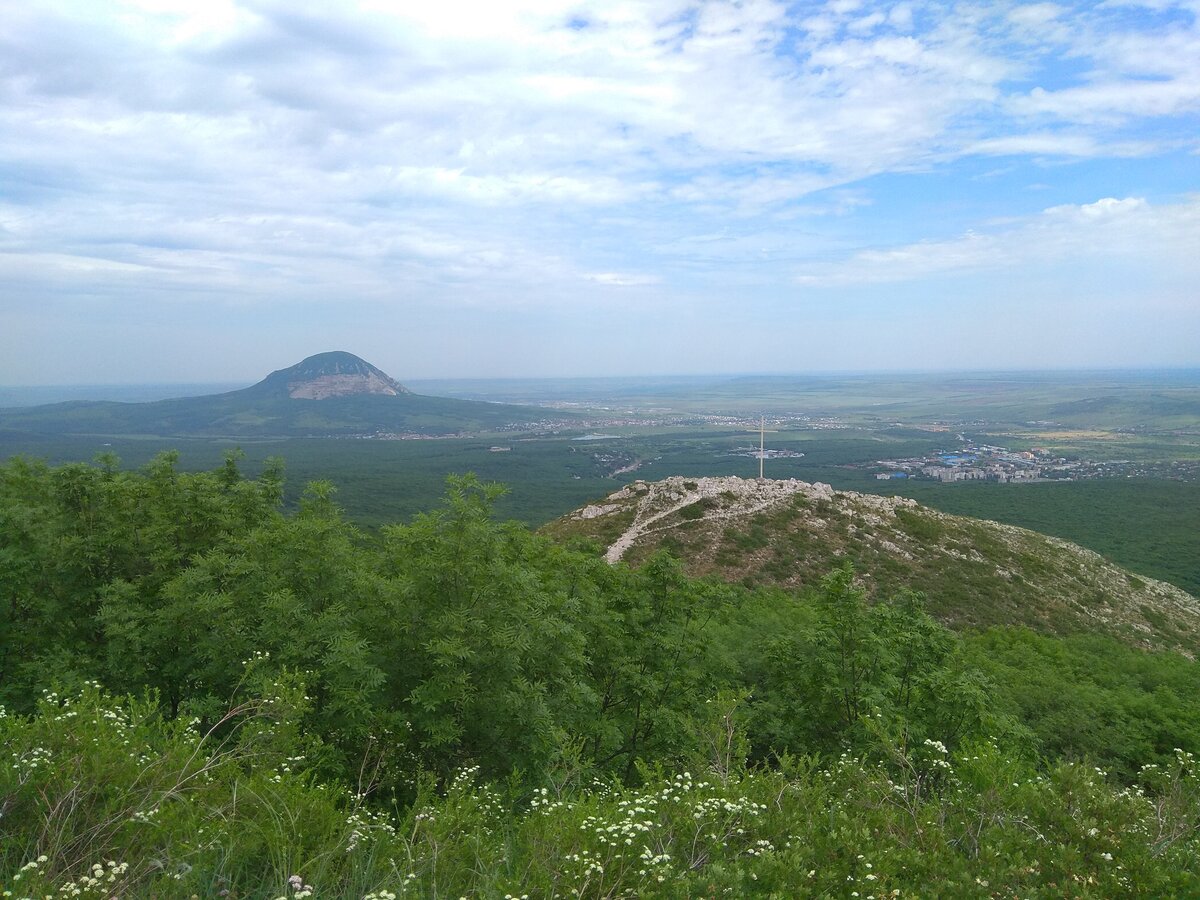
[986,462]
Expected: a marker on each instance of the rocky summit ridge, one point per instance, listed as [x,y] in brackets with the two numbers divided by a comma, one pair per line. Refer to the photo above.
[333,374]
[975,573]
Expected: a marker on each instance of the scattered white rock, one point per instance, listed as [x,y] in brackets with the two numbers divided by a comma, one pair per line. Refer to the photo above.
[592,512]
[653,503]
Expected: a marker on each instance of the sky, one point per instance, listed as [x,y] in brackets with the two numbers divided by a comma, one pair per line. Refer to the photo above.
[208,191]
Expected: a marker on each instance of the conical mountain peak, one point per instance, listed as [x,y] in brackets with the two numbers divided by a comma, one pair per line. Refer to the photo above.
[333,374]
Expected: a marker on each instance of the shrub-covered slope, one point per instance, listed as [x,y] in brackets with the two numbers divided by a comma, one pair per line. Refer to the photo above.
[106,799]
[975,573]
[205,696]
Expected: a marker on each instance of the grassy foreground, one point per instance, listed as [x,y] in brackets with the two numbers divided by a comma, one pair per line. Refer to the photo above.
[104,798]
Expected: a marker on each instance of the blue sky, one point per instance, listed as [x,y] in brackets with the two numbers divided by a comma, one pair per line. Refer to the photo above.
[208,191]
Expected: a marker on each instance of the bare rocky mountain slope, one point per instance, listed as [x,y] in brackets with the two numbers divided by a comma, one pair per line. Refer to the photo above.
[333,374]
[974,573]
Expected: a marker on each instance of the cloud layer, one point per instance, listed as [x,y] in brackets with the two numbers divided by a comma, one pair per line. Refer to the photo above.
[420,181]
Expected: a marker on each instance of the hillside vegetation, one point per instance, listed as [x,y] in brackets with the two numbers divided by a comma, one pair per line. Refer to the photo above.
[1151,526]
[205,696]
[975,573]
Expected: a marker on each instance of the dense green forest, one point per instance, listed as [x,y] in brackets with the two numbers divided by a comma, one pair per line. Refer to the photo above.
[1150,526]
[206,695]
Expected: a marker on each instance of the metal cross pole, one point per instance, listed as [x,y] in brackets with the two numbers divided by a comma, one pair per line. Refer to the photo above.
[762,424]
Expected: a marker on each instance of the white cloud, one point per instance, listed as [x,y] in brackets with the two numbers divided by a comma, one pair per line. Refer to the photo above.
[1044,144]
[1071,237]
[515,153]
[619,279]
[557,113]
[1060,144]
[1113,101]
[1131,75]
[1035,15]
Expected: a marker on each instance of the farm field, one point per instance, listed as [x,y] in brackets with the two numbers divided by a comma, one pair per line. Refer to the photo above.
[1155,401]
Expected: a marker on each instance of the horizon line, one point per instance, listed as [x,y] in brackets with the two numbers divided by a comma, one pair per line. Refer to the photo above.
[811,373]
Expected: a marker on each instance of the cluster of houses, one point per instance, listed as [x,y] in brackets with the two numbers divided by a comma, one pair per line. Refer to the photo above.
[974,463]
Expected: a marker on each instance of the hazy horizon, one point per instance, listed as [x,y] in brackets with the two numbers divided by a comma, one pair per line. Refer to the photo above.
[206,192]
[18,395]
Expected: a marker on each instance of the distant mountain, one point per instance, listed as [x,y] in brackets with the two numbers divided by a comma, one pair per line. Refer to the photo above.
[975,573]
[333,374]
[330,394]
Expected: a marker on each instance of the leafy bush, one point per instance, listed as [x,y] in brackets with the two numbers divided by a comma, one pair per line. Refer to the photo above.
[107,798]
[210,697]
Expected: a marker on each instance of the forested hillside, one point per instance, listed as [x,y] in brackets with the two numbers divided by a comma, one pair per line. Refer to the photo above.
[206,696]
